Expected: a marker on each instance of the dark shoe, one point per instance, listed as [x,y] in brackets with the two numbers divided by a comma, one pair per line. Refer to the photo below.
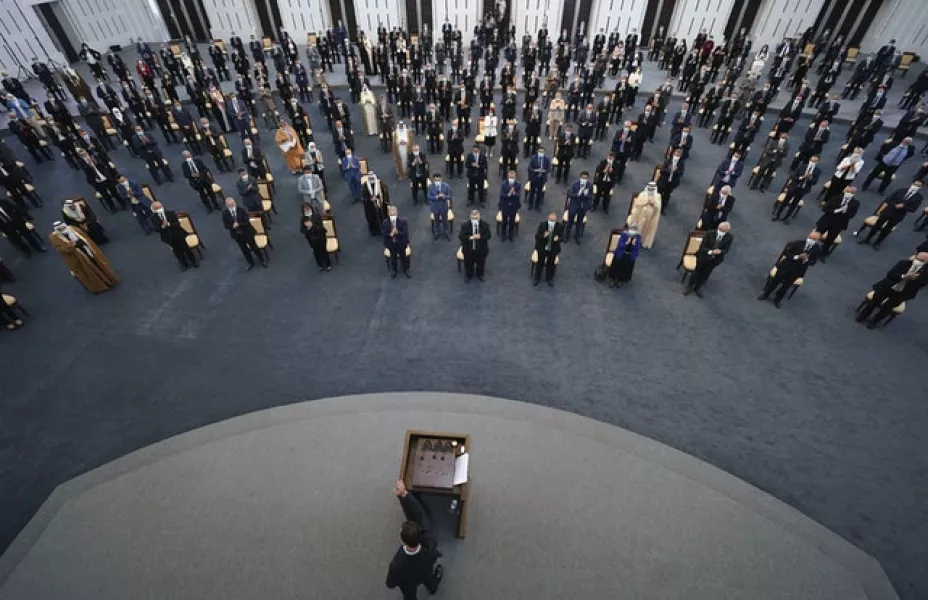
[687,291]
[535,282]
[467,279]
[871,325]
[876,246]
[393,275]
[550,282]
[697,292]
[250,267]
[480,277]
[183,268]
[762,297]
[406,273]
[321,269]
[329,268]
[786,221]
[264,264]
[776,303]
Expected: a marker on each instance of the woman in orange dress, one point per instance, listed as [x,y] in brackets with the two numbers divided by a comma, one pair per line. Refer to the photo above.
[288,141]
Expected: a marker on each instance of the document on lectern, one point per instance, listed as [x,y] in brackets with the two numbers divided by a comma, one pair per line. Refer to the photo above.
[460,468]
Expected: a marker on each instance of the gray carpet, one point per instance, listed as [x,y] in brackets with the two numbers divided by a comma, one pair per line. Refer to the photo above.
[295,503]
[801,402]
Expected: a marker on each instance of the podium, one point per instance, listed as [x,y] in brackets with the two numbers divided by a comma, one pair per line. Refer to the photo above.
[413,469]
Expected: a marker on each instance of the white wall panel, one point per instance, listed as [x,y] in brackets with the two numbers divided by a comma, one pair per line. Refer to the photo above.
[238,16]
[304,16]
[462,13]
[904,20]
[777,19]
[622,14]
[372,14]
[102,23]
[22,36]
[530,15]
[692,16]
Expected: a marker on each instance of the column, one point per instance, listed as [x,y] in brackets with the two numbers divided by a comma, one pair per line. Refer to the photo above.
[464,14]
[238,16]
[780,18]
[692,16]
[904,21]
[305,16]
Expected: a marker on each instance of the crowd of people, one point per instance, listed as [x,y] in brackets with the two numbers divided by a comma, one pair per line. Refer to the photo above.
[539,99]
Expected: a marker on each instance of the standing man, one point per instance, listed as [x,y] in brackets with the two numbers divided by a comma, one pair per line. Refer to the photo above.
[715,245]
[395,231]
[579,198]
[775,151]
[898,205]
[566,143]
[902,283]
[607,173]
[538,169]
[200,179]
[510,194]
[235,219]
[417,167]
[439,197]
[728,171]
[800,183]
[475,237]
[351,172]
[890,162]
[669,178]
[548,246]
[13,224]
[795,259]
[476,175]
[414,563]
[836,216]
[147,149]
[716,208]
[247,187]
[167,225]
[310,187]
[455,149]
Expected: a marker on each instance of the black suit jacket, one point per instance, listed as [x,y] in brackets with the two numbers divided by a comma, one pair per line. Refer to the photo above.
[668,180]
[898,197]
[241,217]
[796,267]
[202,170]
[483,244]
[173,233]
[894,276]
[710,242]
[541,241]
[18,218]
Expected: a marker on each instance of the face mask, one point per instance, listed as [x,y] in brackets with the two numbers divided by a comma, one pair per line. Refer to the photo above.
[848,196]
[914,188]
[550,223]
[541,154]
[245,177]
[392,219]
[583,182]
[512,181]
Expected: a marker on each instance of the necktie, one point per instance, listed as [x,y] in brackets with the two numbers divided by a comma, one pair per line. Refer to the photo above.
[718,238]
[5,216]
[475,233]
[232,212]
[193,166]
[550,237]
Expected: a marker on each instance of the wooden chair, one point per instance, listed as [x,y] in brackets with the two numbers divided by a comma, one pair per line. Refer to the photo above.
[148,193]
[566,215]
[268,176]
[363,164]
[781,198]
[838,241]
[852,53]
[311,39]
[267,43]
[386,255]
[227,153]
[480,137]
[688,256]
[905,62]
[898,310]
[175,49]
[611,245]
[262,239]
[871,221]
[450,215]
[655,174]
[266,192]
[331,237]
[13,303]
[194,241]
[460,256]
[797,283]
[174,125]
[108,126]
[221,45]
[533,261]
[499,221]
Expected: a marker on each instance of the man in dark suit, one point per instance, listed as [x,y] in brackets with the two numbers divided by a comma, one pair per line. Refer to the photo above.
[253,159]
[792,264]
[476,164]
[13,224]
[901,284]
[812,144]
[414,564]
[716,208]
[887,165]
[800,183]
[247,187]
[475,237]
[898,205]
[682,119]
[235,219]
[167,225]
[775,150]
[455,149]
[417,169]
[395,232]
[539,167]
[608,172]
[510,201]
[132,195]
[728,171]
[147,149]
[669,178]
[715,245]
[681,140]
[836,216]
[200,179]
[548,245]
[102,176]
[579,199]
[566,145]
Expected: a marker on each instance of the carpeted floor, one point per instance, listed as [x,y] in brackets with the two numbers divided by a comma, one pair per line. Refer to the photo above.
[801,402]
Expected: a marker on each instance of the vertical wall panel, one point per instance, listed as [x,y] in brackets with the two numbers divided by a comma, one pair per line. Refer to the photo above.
[779,18]
[372,14]
[304,16]
[692,16]
[102,23]
[228,16]
[623,15]
[529,16]
[462,13]
[906,21]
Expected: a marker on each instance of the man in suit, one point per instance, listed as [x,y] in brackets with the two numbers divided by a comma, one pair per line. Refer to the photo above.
[395,232]
[13,224]
[147,149]
[539,167]
[166,223]
[510,201]
[417,169]
[716,208]
[235,219]
[566,145]
[898,205]
[775,150]
[579,199]
[253,159]
[102,177]
[586,121]
[414,564]
[682,141]
[132,195]
[669,178]
[792,264]
[439,198]
[812,144]
[475,237]
[455,149]
[342,139]
[248,191]
[682,119]
[200,179]
[901,284]
[887,165]
[607,174]
[862,132]
[801,181]
[476,164]
[548,245]
[728,171]
[715,245]
[747,131]
[836,216]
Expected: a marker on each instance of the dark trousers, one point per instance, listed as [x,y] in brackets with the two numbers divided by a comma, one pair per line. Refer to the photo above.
[418,184]
[546,260]
[884,225]
[700,276]
[109,197]
[23,238]
[204,188]
[247,245]
[396,258]
[781,282]
[473,264]
[156,164]
[323,261]
[562,171]
[508,226]
[575,217]
[454,158]
[884,301]
[790,204]
[183,253]
[604,195]
[885,174]
[536,196]
[476,186]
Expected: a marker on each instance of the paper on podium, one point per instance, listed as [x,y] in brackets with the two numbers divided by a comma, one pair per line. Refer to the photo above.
[460,468]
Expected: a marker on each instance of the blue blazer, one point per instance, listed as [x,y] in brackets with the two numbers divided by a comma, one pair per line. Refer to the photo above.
[539,163]
[723,169]
[510,203]
[624,239]
[437,204]
[136,188]
[578,202]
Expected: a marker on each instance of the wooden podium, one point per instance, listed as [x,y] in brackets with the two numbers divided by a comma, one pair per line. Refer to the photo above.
[460,443]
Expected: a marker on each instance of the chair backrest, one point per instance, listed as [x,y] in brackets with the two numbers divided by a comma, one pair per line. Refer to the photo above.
[146,191]
[329,224]
[264,190]
[657,173]
[185,222]
[256,222]
[310,39]
[363,162]
[175,49]
[613,239]
[631,204]
[852,54]
[268,43]
[880,208]
[106,121]
[221,44]
[693,241]
[906,60]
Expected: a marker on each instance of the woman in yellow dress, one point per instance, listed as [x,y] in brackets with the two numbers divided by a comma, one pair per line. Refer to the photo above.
[288,141]
[646,212]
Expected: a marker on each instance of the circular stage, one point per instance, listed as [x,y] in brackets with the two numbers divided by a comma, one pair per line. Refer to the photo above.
[296,502]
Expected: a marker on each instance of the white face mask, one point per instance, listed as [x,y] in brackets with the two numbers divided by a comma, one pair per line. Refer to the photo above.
[160,212]
[245,177]
[848,196]
[583,182]
[512,181]
[308,214]
[393,218]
